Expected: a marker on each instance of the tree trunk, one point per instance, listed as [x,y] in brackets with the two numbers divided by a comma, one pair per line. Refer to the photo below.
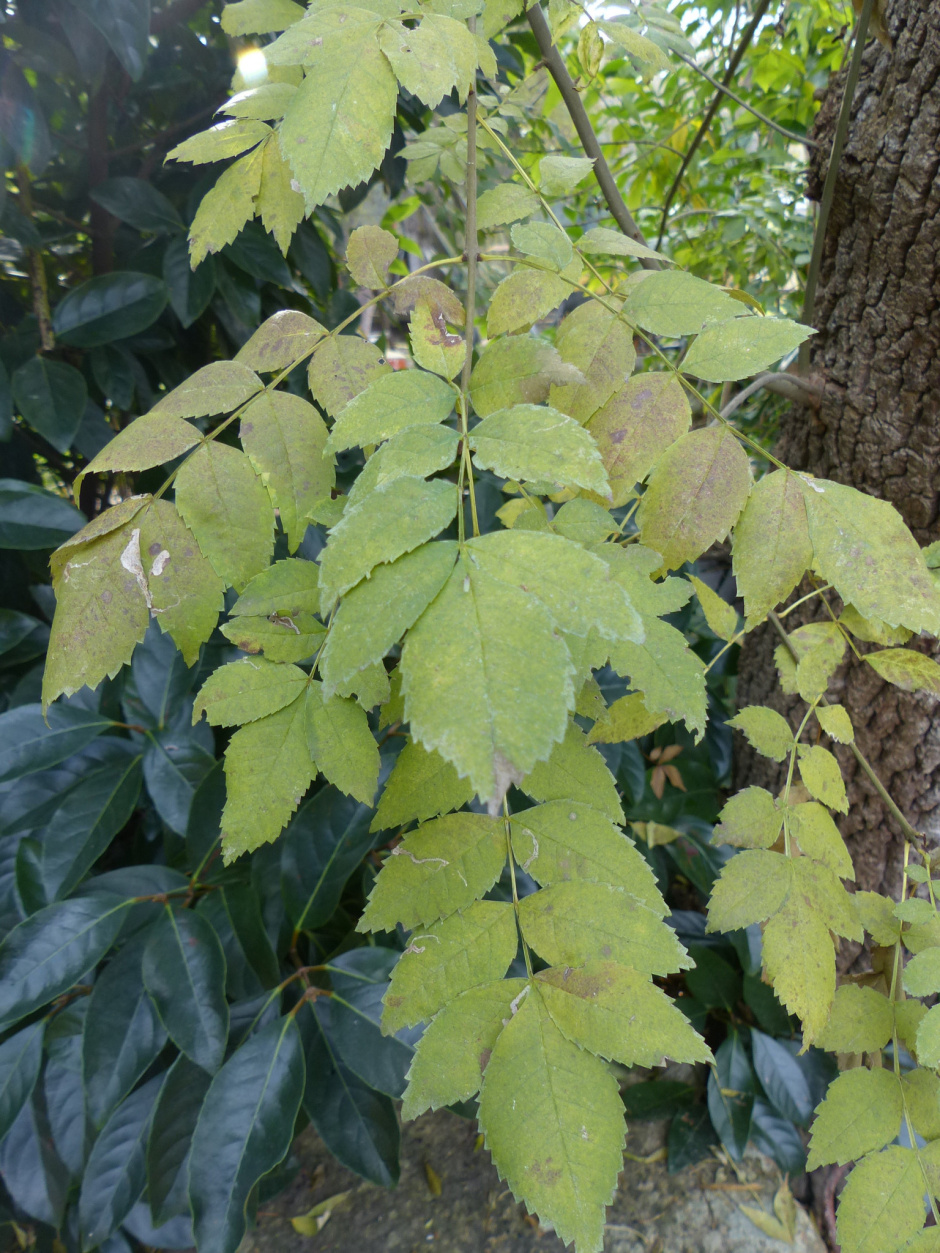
[877,354]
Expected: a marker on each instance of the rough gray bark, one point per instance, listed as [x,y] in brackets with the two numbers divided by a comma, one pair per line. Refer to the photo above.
[878,425]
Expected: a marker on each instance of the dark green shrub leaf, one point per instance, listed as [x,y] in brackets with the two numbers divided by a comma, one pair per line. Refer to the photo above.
[184,972]
[174,1121]
[108,307]
[20,1058]
[244,1130]
[136,202]
[31,518]
[29,743]
[51,396]
[324,843]
[360,980]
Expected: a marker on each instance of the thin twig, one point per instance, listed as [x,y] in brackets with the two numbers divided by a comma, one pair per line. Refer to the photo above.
[749,108]
[605,180]
[712,110]
[792,386]
[37,270]
[835,158]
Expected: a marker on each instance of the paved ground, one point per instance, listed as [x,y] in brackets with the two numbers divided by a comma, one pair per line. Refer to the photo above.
[694,1212]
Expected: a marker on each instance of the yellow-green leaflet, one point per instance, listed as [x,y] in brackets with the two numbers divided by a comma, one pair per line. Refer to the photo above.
[422,785]
[560,1149]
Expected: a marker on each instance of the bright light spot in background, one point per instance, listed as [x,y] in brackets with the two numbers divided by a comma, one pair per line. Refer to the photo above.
[252,66]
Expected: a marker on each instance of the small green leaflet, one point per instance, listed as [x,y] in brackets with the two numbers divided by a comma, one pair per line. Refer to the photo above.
[909,670]
[673,303]
[749,820]
[291,638]
[636,426]
[861,1113]
[336,130]
[626,719]
[224,504]
[152,440]
[538,443]
[771,546]
[487,682]
[861,1021]
[504,204]
[341,743]
[391,521]
[286,588]
[603,240]
[719,615]
[441,961]
[742,347]
[417,451]
[185,594]
[882,1203]
[766,731]
[922,973]
[341,367]
[452,1055]
[267,770]
[822,777]
[226,208]
[216,388]
[244,691]
[517,370]
[752,888]
[432,59]
[560,1150]
[566,839]
[390,404]
[695,494]
[819,838]
[576,920]
[545,243]
[523,297]
[228,139]
[616,1013]
[442,867]
[669,674]
[558,176]
[260,17]
[422,785]
[835,721]
[369,253]
[284,438]
[375,614]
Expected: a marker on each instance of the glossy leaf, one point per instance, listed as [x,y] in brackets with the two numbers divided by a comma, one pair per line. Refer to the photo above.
[184,973]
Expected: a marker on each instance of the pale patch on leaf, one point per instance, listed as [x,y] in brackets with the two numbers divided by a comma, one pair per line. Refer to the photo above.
[186,595]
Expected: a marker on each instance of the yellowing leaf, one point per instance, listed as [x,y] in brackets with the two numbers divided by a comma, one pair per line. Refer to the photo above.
[228,139]
[921,1090]
[523,297]
[433,346]
[101,613]
[626,719]
[765,730]
[819,838]
[260,17]
[928,1038]
[388,405]
[922,973]
[442,867]
[799,959]
[861,1021]
[749,820]
[341,743]
[487,682]
[636,426]
[216,388]
[281,340]
[545,242]
[567,839]
[575,921]
[558,176]
[342,367]
[610,243]
[340,121]
[151,440]
[284,438]
[577,772]
[751,888]
[599,344]
[186,595]
[741,347]
[822,777]
[674,303]
[452,1055]
[836,722]
[576,587]
[863,548]
[719,615]
[695,493]
[265,103]
[771,546]
[225,209]
[279,206]
[244,691]
[872,630]
[394,519]
[616,1013]
[909,670]
[421,786]
[448,958]
[560,1150]
[517,370]
[538,443]
[417,451]
[861,1113]
[375,614]
[369,253]
[224,504]
[267,770]
[882,1203]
